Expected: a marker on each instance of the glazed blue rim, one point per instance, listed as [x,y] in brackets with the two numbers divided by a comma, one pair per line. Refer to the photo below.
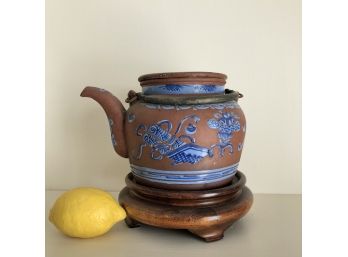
[184,177]
[179,89]
[189,194]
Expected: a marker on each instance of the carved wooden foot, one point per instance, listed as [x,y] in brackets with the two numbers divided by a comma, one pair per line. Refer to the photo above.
[210,234]
[206,214]
[131,223]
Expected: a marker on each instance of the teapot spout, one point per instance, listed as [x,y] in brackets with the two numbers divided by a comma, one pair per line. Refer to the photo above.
[115,113]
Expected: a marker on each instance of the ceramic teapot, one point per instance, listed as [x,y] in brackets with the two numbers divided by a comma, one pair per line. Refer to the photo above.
[184,131]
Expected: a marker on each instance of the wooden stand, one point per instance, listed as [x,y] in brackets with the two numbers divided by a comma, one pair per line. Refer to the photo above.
[205,213]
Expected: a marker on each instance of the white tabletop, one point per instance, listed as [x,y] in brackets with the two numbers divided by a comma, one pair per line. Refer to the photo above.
[271,228]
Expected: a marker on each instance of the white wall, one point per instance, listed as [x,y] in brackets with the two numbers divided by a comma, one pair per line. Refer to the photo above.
[110,43]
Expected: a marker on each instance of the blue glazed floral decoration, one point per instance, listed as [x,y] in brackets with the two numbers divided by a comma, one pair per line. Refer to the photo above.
[226,123]
[179,146]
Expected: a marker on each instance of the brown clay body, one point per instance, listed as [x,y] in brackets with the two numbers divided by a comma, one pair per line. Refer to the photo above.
[180,133]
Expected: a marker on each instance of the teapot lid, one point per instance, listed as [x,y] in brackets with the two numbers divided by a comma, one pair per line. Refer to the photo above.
[183,78]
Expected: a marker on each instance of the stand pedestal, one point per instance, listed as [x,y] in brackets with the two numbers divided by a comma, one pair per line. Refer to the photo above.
[205,213]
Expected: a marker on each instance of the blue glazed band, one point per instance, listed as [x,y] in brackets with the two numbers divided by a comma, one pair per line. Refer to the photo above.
[184,177]
[173,89]
[218,106]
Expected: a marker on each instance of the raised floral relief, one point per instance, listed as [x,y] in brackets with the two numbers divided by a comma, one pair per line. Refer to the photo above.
[226,123]
[179,145]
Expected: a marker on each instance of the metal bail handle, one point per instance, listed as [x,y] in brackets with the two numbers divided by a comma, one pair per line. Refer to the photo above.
[229,95]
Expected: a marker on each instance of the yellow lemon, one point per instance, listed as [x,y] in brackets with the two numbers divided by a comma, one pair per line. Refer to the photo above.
[85,212]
